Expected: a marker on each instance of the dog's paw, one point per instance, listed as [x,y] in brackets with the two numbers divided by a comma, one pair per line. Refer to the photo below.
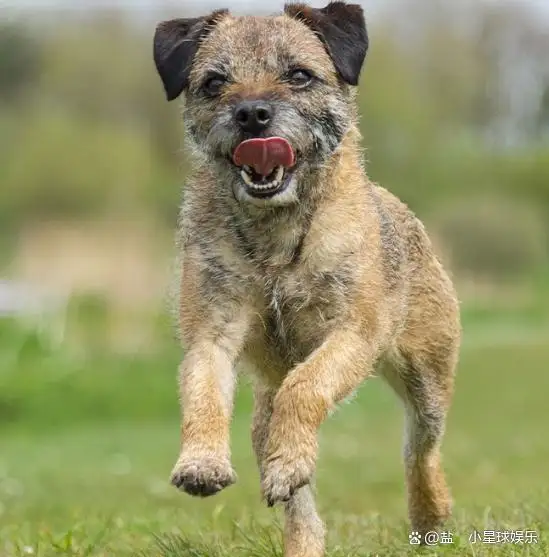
[284,472]
[202,476]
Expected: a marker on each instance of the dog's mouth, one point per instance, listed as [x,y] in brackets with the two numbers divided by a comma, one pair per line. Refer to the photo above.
[265,165]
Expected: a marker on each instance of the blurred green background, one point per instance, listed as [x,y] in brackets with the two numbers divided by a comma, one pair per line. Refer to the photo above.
[454,104]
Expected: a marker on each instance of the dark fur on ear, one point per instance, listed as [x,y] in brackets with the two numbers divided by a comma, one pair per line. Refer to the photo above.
[342,29]
[175,45]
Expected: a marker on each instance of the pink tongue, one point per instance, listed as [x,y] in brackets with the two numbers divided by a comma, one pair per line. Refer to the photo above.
[264,155]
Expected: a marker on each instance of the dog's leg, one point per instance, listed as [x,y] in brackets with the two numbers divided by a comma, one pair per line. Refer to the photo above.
[313,388]
[303,531]
[207,384]
[303,528]
[424,381]
[263,409]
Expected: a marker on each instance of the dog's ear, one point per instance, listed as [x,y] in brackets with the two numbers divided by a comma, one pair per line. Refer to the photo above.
[175,45]
[342,29]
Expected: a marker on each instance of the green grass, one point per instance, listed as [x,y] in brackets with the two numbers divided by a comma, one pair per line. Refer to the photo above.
[87,442]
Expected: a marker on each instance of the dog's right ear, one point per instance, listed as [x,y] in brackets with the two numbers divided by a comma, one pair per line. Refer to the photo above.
[175,45]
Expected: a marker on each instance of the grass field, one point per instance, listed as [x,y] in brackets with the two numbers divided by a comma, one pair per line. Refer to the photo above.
[88,440]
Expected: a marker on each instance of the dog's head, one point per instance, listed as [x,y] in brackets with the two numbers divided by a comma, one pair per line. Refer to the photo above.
[267,98]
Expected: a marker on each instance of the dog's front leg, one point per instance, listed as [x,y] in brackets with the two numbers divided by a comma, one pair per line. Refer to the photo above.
[307,394]
[207,380]
[303,529]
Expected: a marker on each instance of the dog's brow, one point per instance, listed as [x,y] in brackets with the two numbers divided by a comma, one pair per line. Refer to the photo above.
[219,65]
[291,61]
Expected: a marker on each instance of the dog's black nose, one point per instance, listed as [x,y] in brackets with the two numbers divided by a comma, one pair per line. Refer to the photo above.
[253,116]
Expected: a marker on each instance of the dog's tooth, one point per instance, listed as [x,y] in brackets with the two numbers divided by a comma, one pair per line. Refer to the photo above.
[245,176]
[279,174]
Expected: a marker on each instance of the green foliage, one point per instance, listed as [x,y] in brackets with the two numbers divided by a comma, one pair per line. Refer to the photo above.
[494,238]
[53,169]
[86,131]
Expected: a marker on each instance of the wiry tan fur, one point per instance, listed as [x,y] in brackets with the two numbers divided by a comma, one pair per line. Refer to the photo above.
[313,296]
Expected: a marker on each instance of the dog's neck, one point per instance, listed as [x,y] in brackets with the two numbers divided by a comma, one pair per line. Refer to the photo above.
[275,236]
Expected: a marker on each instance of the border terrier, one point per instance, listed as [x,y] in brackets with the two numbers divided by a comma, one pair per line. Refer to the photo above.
[294,263]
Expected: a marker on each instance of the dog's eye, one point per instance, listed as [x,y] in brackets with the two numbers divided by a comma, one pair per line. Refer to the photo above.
[300,78]
[213,85]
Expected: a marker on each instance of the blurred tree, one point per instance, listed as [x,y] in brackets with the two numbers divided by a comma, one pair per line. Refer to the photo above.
[543,114]
[103,69]
[496,238]
[84,168]
[19,61]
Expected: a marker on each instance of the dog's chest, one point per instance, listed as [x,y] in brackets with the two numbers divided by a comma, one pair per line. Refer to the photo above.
[297,312]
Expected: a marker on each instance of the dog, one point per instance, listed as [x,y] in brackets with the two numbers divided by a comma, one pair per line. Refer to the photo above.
[294,264]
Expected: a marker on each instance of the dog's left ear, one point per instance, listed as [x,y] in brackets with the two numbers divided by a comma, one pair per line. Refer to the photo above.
[342,29]
[175,45]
